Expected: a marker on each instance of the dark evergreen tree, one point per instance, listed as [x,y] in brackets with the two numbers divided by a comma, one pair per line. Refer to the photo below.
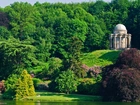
[72,62]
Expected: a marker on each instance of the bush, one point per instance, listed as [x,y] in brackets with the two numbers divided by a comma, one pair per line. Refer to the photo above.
[66,82]
[89,86]
[10,85]
[52,86]
[43,87]
[129,58]
[24,86]
[93,71]
[121,81]
[36,82]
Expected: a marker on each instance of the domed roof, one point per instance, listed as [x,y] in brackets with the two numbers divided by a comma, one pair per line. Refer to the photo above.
[120,29]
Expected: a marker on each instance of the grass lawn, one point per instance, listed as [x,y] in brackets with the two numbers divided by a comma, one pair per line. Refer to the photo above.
[100,57]
[56,97]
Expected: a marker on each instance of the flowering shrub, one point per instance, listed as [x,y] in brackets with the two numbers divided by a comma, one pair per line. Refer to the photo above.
[93,71]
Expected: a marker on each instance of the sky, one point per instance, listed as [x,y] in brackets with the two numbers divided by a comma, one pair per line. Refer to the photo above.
[4,3]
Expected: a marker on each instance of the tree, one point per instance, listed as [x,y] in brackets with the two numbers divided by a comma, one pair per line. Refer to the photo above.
[4,33]
[4,21]
[133,22]
[14,56]
[66,82]
[95,38]
[24,86]
[98,7]
[53,68]
[73,62]
[121,81]
[21,19]
[43,42]
[65,29]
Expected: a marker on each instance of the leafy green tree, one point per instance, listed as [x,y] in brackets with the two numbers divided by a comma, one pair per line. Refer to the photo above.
[55,65]
[98,7]
[67,82]
[51,15]
[21,19]
[4,33]
[15,55]
[43,40]
[95,38]
[51,69]
[65,29]
[24,86]
[78,28]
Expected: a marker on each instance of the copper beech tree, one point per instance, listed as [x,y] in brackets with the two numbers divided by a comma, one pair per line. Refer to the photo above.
[121,81]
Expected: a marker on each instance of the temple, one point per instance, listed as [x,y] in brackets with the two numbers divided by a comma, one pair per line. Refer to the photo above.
[120,39]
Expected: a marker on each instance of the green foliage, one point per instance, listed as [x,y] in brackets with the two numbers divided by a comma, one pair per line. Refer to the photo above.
[48,70]
[73,62]
[54,67]
[15,55]
[4,33]
[100,57]
[24,86]
[36,81]
[89,86]
[21,19]
[43,40]
[67,82]
[10,85]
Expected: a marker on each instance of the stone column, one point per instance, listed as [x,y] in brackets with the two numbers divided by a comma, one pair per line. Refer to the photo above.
[111,41]
[125,42]
[115,42]
[129,40]
[120,42]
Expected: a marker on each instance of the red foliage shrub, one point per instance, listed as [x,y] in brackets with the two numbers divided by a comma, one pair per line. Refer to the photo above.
[129,58]
[121,81]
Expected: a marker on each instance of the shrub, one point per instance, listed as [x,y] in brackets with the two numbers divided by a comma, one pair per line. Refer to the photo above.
[93,71]
[36,82]
[129,58]
[10,87]
[121,81]
[52,86]
[24,86]
[43,86]
[66,82]
[89,86]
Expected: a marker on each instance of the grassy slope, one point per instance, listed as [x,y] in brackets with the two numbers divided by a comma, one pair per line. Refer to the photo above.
[100,57]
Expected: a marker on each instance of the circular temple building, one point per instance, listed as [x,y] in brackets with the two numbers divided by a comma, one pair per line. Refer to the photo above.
[120,39]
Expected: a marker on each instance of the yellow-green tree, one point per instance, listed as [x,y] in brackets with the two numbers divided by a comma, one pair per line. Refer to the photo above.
[24,86]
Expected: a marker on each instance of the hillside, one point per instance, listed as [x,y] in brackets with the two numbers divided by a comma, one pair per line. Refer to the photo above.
[100,57]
